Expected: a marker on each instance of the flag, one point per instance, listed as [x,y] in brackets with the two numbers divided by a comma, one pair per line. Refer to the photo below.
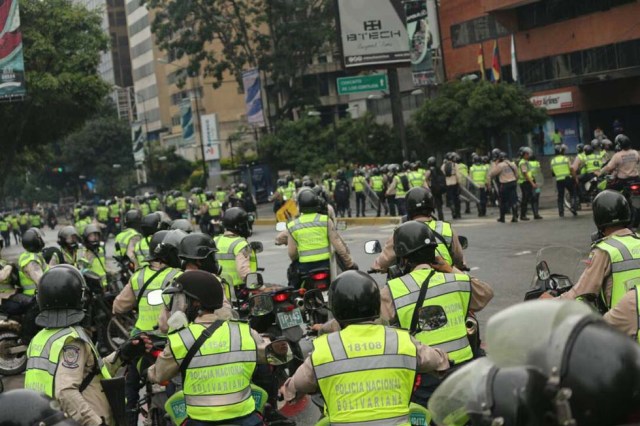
[514,62]
[495,63]
[481,63]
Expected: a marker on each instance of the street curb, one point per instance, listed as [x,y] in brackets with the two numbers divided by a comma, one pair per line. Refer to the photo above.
[363,221]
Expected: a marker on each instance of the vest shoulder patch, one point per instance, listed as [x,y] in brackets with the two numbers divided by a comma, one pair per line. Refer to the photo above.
[70,356]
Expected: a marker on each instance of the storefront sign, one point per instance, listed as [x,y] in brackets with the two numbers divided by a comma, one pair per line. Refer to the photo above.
[554,101]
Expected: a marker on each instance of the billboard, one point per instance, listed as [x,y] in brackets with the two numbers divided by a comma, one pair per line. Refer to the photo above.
[210,137]
[138,138]
[372,32]
[423,39]
[253,97]
[186,120]
[11,60]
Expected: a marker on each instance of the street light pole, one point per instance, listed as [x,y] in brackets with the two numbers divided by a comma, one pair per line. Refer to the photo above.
[199,132]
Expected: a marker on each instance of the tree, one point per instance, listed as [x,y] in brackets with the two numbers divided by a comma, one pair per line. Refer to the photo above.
[472,115]
[170,170]
[280,37]
[62,44]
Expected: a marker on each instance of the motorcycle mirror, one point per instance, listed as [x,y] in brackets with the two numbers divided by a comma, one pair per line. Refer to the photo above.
[432,318]
[260,305]
[254,281]
[154,298]
[464,242]
[314,299]
[281,226]
[278,352]
[542,269]
[372,247]
[256,246]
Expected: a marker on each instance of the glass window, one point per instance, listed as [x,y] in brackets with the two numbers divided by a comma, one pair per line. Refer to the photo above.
[476,31]
[547,12]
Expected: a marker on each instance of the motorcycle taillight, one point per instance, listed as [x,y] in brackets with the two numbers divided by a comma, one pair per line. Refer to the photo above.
[635,187]
[321,286]
[280,297]
[320,276]
[156,353]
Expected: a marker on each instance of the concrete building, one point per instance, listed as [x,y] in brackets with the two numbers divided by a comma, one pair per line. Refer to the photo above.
[580,59]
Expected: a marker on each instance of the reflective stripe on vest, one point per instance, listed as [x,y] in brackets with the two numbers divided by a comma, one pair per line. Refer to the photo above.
[366,374]
[535,170]
[479,174]
[102,213]
[43,356]
[123,238]
[181,204]
[148,314]
[400,192]
[215,208]
[560,167]
[217,382]
[27,284]
[592,163]
[221,196]
[228,249]
[444,229]
[114,210]
[450,291]
[141,251]
[624,254]
[358,183]
[638,309]
[521,175]
[311,234]
[4,226]
[377,183]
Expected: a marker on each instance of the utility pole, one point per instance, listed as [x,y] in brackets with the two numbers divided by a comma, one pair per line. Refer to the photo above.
[396,110]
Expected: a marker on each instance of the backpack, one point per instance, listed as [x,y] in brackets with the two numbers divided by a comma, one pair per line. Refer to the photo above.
[342,190]
[438,181]
[448,169]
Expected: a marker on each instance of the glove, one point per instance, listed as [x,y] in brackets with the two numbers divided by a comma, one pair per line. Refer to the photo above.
[132,349]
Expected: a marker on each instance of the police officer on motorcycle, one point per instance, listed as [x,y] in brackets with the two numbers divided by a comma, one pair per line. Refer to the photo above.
[129,237]
[235,255]
[623,164]
[31,262]
[69,241]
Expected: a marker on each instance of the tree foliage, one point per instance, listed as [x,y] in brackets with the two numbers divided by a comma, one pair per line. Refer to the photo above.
[280,37]
[62,44]
[471,115]
[170,171]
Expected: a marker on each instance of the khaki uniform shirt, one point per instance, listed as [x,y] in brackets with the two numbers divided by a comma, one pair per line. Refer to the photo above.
[481,295]
[597,274]
[304,380]
[166,366]
[388,255]
[131,253]
[505,170]
[624,316]
[341,249]
[624,163]
[77,362]
[393,182]
[454,178]
[34,271]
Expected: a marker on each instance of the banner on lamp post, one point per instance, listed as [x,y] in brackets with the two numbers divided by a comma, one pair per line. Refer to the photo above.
[138,138]
[253,97]
[12,82]
[186,120]
[210,137]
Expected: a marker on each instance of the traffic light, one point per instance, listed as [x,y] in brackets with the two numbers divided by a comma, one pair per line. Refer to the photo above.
[57,169]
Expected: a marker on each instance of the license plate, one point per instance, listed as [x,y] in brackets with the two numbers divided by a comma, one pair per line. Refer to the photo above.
[290,319]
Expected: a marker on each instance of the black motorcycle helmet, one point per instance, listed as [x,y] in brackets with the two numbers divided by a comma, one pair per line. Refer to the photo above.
[167,250]
[432,162]
[588,149]
[132,219]
[200,286]
[502,155]
[623,141]
[415,242]
[150,224]
[375,171]
[297,183]
[182,224]
[580,148]
[33,240]
[25,407]
[340,174]
[236,220]
[325,176]
[611,208]
[91,229]
[200,249]
[60,297]
[354,297]
[419,202]
[308,201]
[560,149]
[406,165]
[66,237]
[154,243]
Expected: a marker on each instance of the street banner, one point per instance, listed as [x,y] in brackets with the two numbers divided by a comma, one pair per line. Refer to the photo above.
[372,32]
[138,138]
[12,82]
[422,42]
[186,120]
[253,97]
[210,137]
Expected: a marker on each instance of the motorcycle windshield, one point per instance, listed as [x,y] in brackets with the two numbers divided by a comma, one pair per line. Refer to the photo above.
[562,260]
[450,403]
[516,333]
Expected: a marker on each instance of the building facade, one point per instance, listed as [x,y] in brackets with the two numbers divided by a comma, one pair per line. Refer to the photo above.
[579,58]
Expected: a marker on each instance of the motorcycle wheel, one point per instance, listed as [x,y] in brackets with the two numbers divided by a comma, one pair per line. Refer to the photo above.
[11,364]
[118,330]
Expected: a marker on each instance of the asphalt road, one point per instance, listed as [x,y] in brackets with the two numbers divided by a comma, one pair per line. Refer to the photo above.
[504,255]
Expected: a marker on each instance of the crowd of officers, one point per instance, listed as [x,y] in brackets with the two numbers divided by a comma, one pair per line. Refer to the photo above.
[17,223]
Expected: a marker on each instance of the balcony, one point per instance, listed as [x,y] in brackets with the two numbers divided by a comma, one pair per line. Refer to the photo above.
[491,6]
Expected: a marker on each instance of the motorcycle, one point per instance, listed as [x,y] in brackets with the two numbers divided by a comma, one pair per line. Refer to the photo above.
[17,328]
[152,405]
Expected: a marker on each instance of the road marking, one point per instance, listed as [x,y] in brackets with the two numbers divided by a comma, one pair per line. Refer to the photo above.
[388,227]
[474,268]
[522,253]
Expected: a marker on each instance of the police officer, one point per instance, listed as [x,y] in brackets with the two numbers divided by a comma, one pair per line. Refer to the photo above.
[416,176]
[127,239]
[400,184]
[625,314]
[84,221]
[612,268]
[136,295]
[506,172]
[586,165]
[377,185]
[31,262]
[535,168]
[235,255]
[526,181]
[35,219]
[561,170]
[312,235]
[143,205]
[213,212]
[421,207]
[154,202]
[62,361]
[114,214]
[69,241]
[91,256]
[181,205]
[15,228]
[228,349]
[346,366]
[357,185]
[450,170]
[479,176]
[624,163]
[5,230]
[428,278]
[329,185]
[436,181]
[390,193]
[102,215]
[150,224]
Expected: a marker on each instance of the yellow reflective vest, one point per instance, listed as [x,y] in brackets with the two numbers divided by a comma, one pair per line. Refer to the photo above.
[479,175]
[148,314]
[141,251]
[624,254]
[27,284]
[560,167]
[311,234]
[123,239]
[446,232]
[228,248]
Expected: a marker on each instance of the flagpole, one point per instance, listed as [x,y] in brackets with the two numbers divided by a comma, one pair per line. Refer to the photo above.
[514,60]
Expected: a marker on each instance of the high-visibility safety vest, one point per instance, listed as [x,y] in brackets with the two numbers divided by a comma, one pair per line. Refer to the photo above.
[154,204]
[400,192]
[23,219]
[637,290]
[583,160]
[624,254]
[97,264]
[144,209]
[289,191]
[214,207]
[102,213]
[463,169]
[14,222]
[217,382]
[181,204]
[114,210]
[81,224]
[452,292]
[36,220]
[5,286]
[329,185]
[358,183]
[446,232]
[415,179]
[592,163]
[522,176]
[535,170]
[169,201]
[377,183]
[76,214]
[560,167]
[141,251]
[311,234]
[43,356]
[228,248]
[479,175]
[221,196]
[27,284]
[4,226]
[366,374]
[67,258]
[123,239]
[602,156]
[148,314]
